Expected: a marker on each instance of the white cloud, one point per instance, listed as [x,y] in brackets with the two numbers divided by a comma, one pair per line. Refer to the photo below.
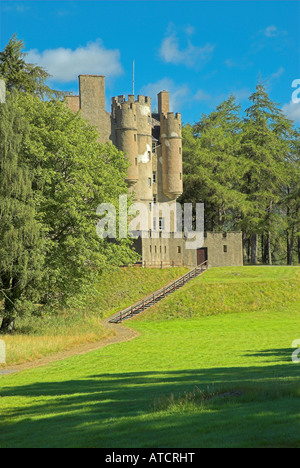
[190,56]
[276,75]
[189,30]
[292,111]
[15,8]
[242,64]
[242,94]
[66,64]
[271,31]
[179,94]
[201,96]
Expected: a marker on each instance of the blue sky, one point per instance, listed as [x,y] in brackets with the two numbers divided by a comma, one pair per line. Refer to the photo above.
[201,51]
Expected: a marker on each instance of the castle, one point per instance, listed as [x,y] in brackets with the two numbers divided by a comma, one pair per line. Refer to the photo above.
[152,142]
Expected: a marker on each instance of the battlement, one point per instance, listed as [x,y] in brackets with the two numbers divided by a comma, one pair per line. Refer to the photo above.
[172,116]
[120,101]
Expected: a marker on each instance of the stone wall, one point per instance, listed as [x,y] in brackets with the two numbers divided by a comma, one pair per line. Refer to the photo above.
[222,250]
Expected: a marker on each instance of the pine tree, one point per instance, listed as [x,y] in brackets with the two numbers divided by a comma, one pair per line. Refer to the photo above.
[21,244]
[291,202]
[23,76]
[265,145]
[211,172]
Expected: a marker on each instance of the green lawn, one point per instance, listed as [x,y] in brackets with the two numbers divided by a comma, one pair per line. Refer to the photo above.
[59,330]
[161,389]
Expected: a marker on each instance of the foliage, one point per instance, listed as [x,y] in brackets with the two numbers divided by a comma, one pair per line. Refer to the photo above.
[55,175]
[211,173]
[22,76]
[246,172]
[73,174]
[21,241]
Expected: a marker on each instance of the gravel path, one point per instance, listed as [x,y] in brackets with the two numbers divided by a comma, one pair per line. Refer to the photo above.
[118,334]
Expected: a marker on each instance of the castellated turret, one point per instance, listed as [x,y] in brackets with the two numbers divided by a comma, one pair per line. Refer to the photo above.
[171,148]
[171,142]
[132,134]
[150,142]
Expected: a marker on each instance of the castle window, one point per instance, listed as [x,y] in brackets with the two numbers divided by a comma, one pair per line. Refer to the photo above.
[180,150]
[150,206]
[154,177]
[149,119]
[179,249]
[161,224]
[149,182]
[153,147]
[135,137]
[149,155]
[225,249]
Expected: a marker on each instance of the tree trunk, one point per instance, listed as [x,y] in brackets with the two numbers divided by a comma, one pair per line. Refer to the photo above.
[8,324]
[269,250]
[263,249]
[254,249]
[9,315]
[290,247]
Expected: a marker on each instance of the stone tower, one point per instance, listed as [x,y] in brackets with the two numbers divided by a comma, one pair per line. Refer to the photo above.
[152,142]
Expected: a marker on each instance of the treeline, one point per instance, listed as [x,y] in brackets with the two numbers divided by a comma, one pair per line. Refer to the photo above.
[245,167]
[53,176]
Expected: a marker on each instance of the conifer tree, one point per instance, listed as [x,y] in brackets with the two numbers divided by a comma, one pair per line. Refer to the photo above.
[23,76]
[265,145]
[291,202]
[21,243]
[211,172]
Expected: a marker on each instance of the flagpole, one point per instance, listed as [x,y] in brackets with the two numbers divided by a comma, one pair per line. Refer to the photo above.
[133,79]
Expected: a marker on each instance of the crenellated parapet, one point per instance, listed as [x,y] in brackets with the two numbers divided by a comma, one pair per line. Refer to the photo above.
[151,143]
[171,141]
[132,134]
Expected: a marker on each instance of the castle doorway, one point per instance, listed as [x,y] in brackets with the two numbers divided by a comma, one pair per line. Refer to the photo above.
[202,255]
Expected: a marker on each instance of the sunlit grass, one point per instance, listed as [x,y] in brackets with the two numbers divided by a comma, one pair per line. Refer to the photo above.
[60,330]
[215,380]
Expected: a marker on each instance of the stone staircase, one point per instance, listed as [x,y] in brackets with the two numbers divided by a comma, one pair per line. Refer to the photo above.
[154,298]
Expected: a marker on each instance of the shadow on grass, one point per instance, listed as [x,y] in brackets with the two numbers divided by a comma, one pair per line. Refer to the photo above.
[116,410]
[273,355]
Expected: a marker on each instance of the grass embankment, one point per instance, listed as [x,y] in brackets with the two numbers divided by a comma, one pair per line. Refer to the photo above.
[231,290]
[64,329]
[222,379]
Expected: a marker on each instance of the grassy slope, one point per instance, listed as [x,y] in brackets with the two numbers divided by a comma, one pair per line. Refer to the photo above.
[128,395]
[227,290]
[68,328]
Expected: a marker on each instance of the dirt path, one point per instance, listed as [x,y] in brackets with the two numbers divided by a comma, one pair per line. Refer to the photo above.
[118,334]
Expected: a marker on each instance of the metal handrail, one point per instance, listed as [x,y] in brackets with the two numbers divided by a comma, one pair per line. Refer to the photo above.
[172,287]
